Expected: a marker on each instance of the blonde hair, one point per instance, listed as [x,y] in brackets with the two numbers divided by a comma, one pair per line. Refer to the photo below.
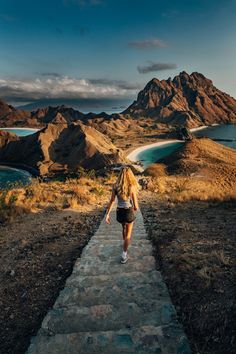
[126,181]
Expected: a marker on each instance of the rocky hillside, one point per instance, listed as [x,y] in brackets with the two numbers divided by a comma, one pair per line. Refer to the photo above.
[60,147]
[204,158]
[189,100]
[10,116]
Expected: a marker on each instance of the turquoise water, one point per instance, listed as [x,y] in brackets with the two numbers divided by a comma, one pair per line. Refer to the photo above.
[156,153]
[227,132]
[20,132]
[10,176]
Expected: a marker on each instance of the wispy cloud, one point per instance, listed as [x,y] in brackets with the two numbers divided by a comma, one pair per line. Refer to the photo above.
[170,14]
[53,86]
[83,3]
[59,31]
[7,18]
[50,74]
[148,43]
[80,30]
[156,67]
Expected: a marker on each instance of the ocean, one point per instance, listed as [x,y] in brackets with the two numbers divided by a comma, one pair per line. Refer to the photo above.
[9,175]
[226,134]
[20,131]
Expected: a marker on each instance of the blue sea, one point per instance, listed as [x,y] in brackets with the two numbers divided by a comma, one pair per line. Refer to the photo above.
[9,176]
[20,131]
[227,132]
[156,153]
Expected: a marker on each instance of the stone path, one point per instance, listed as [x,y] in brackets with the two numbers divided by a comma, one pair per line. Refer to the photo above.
[107,307]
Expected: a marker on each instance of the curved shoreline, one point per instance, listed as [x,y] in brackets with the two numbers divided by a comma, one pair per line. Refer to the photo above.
[132,156]
[20,128]
[24,168]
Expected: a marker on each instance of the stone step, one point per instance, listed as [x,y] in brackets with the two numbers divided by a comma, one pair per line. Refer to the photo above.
[134,241]
[107,250]
[134,278]
[107,307]
[119,238]
[168,339]
[108,317]
[95,267]
[111,294]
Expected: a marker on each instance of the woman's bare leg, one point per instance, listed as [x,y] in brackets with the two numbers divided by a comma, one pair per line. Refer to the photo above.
[127,239]
[124,231]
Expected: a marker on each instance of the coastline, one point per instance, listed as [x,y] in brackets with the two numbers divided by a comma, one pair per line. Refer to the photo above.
[132,155]
[20,128]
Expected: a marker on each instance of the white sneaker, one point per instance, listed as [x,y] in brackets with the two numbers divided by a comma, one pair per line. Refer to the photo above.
[124,257]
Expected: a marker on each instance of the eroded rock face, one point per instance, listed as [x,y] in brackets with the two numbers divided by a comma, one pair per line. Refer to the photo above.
[189,100]
[6,137]
[10,116]
[62,147]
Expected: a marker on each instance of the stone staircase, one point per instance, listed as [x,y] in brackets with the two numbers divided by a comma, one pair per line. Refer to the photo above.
[107,307]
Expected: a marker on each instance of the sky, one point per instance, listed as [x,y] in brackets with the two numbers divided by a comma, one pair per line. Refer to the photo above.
[101,53]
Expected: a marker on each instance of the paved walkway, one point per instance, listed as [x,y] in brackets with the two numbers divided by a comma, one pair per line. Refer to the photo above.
[107,307]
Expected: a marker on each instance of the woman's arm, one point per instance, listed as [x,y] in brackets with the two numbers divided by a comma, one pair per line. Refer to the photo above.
[109,207]
[135,199]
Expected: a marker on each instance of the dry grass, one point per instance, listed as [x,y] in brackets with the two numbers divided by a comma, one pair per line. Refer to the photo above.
[182,188]
[73,193]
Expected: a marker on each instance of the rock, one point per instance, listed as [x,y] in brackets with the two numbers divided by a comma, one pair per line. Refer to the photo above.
[60,147]
[187,100]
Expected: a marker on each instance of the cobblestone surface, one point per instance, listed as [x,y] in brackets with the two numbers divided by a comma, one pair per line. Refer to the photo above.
[108,307]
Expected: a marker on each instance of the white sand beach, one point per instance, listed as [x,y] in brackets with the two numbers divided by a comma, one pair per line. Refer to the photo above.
[132,156]
[13,128]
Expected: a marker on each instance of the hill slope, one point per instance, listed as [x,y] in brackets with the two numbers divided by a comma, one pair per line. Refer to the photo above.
[62,147]
[205,158]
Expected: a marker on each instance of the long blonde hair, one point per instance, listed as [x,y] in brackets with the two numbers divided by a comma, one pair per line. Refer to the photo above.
[126,181]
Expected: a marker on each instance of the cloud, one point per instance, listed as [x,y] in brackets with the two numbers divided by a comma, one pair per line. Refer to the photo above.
[81,31]
[59,31]
[54,86]
[122,84]
[7,18]
[52,74]
[83,3]
[156,67]
[148,43]
[170,14]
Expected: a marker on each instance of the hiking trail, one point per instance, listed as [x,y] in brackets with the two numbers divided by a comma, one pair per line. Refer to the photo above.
[107,307]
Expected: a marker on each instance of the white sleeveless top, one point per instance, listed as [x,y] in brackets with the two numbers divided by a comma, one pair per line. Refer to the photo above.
[123,203]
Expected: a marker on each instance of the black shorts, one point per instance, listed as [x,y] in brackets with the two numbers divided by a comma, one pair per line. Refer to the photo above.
[125,215]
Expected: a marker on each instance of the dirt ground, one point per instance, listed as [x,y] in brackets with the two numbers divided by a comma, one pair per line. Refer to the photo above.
[194,245]
[37,255]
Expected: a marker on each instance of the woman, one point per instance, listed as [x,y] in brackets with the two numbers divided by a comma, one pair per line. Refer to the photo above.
[125,189]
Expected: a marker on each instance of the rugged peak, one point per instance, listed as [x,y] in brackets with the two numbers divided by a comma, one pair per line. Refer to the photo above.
[59,119]
[189,100]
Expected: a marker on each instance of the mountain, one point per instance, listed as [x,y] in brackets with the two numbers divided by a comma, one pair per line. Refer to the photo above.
[189,100]
[62,147]
[10,116]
